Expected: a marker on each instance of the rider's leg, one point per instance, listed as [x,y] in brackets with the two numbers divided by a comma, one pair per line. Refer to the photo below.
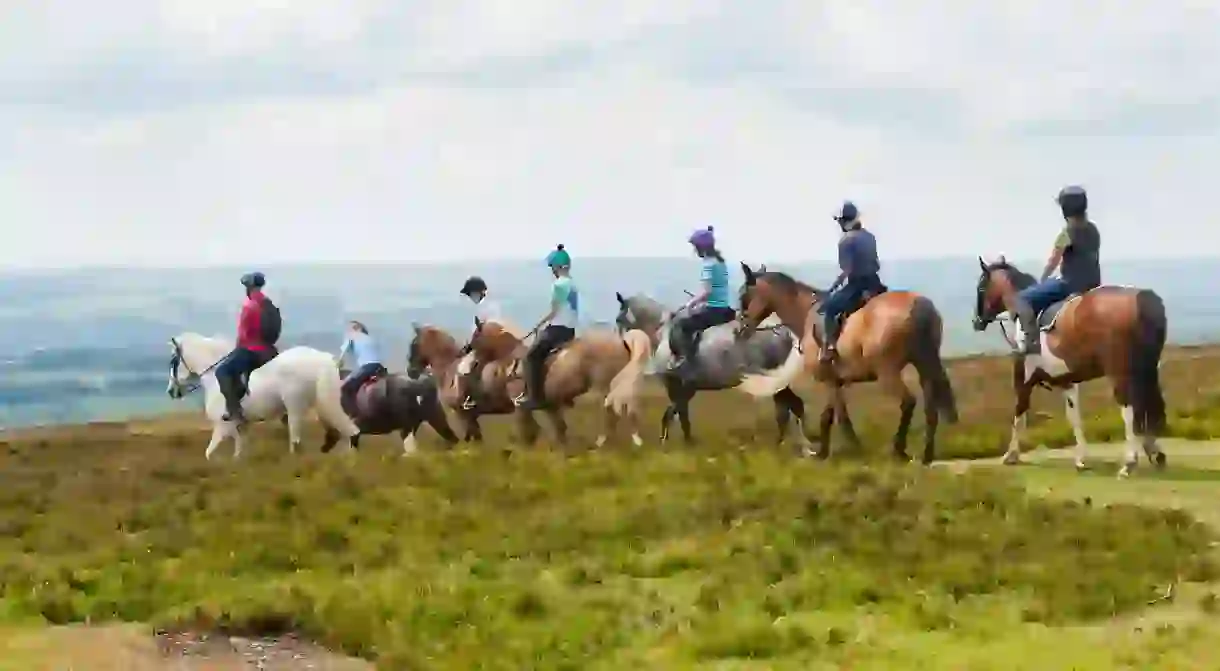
[834,306]
[352,384]
[534,359]
[228,375]
[470,382]
[1033,300]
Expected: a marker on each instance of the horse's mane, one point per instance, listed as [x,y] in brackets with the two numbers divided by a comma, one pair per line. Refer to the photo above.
[786,282]
[507,326]
[1019,278]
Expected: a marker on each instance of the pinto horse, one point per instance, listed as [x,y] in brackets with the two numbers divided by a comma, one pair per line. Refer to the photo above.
[879,339]
[1111,331]
[395,402]
[721,361]
[611,363]
[433,348]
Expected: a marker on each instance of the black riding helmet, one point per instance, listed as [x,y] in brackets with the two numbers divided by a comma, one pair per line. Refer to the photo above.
[253,280]
[1073,201]
[473,283]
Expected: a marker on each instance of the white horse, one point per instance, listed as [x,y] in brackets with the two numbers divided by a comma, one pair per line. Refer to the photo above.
[296,380]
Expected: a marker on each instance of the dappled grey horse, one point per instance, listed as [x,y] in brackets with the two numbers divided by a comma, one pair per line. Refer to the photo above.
[720,361]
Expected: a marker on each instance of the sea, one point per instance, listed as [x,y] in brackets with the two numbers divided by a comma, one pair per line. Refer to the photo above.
[93,344]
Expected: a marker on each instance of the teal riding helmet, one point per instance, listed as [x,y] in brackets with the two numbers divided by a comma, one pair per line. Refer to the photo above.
[559,258]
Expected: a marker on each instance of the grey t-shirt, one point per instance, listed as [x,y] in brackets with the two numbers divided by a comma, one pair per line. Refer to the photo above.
[858,254]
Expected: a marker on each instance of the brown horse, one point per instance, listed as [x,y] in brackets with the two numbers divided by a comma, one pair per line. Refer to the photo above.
[602,360]
[433,348]
[388,403]
[1113,332]
[879,339]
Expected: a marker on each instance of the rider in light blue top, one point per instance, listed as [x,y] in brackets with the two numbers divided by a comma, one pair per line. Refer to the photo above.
[367,354]
[710,308]
[559,323]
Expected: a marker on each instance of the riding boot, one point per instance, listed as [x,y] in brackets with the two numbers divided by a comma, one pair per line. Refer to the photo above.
[830,326]
[233,411]
[471,380]
[684,363]
[534,381]
[1029,328]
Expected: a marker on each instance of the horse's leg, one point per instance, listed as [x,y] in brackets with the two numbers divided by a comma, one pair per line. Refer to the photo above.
[892,383]
[239,442]
[294,430]
[1121,394]
[527,426]
[838,395]
[1022,389]
[1071,402]
[789,404]
[609,425]
[218,435]
[682,408]
[667,420]
[825,424]
[407,433]
[439,422]
[330,439]
[555,414]
[931,419]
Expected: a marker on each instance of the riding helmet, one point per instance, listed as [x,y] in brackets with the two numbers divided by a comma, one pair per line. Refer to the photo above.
[559,258]
[473,283]
[848,212]
[1073,201]
[254,280]
[703,238]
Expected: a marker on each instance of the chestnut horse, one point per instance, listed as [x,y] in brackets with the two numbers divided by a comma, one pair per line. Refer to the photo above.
[435,349]
[879,339]
[602,360]
[1111,331]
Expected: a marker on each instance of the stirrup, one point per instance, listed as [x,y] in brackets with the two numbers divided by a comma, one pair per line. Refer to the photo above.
[469,403]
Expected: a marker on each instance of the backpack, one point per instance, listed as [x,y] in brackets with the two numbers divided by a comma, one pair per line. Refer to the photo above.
[270,323]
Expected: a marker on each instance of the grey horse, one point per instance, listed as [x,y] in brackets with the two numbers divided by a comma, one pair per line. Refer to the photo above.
[720,361]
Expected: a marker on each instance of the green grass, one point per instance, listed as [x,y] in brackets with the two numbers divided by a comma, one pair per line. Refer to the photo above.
[710,557]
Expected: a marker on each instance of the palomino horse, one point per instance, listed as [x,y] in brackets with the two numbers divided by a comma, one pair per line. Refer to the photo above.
[435,349]
[1113,332]
[395,402]
[878,340]
[720,361]
[296,380]
[602,360]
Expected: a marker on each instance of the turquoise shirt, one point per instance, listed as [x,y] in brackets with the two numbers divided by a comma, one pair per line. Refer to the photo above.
[363,347]
[715,279]
[565,300]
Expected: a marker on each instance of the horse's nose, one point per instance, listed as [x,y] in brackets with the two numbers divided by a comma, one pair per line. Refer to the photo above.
[979,325]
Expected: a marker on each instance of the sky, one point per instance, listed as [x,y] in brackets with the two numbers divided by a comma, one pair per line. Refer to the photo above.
[202,132]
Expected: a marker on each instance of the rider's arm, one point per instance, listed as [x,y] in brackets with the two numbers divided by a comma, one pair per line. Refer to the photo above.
[1056,257]
[559,294]
[847,252]
[344,349]
[247,324]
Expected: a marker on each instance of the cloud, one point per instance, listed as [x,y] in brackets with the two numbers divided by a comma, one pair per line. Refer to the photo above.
[182,132]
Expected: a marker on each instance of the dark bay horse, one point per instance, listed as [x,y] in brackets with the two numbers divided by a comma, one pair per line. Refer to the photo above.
[396,402]
[878,340]
[720,361]
[434,349]
[601,360]
[1112,332]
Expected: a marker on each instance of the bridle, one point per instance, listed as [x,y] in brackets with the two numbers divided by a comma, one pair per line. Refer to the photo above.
[194,379]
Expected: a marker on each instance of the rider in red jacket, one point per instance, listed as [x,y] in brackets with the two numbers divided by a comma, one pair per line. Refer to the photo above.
[251,351]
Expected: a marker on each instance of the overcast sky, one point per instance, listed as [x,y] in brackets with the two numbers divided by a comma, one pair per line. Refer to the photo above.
[213,131]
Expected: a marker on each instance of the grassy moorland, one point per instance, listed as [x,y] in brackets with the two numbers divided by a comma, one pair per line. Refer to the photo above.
[728,555]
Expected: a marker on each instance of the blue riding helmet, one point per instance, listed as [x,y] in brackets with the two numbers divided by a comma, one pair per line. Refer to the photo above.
[848,212]
[559,258]
[1073,201]
[254,280]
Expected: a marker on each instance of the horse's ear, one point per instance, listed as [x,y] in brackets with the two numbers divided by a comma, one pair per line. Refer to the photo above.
[621,301]
[982,264]
[417,327]
[749,273]
[762,268]
[173,343]
[478,324]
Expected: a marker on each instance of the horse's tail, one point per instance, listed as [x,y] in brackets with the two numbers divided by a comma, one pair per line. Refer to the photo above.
[329,403]
[625,387]
[924,350]
[1147,400]
[769,383]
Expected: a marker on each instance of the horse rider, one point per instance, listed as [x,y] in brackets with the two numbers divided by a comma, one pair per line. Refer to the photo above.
[859,275]
[363,347]
[476,290]
[252,351]
[710,308]
[1076,254]
[558,327]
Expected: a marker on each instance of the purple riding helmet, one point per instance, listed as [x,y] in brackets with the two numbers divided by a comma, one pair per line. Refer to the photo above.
[703,238]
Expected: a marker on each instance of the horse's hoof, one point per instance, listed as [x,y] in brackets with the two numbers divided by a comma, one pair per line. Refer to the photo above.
[600,442]
[1160,461]
[1125,471]
[1081,467]
[1012,458]
[637,440]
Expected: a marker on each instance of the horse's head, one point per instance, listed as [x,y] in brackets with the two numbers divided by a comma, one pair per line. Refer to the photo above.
[430,346]
[998,282]
[191,356]
[638,312]
[758,297]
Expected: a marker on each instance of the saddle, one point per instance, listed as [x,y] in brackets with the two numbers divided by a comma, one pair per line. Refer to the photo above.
[1046,318]
[243,380]
[858,304]
[366,397]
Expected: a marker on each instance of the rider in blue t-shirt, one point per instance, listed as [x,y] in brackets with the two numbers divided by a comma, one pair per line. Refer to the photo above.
[710,308]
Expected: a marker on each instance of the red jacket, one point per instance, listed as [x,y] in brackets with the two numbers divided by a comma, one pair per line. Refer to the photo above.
[250,323]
